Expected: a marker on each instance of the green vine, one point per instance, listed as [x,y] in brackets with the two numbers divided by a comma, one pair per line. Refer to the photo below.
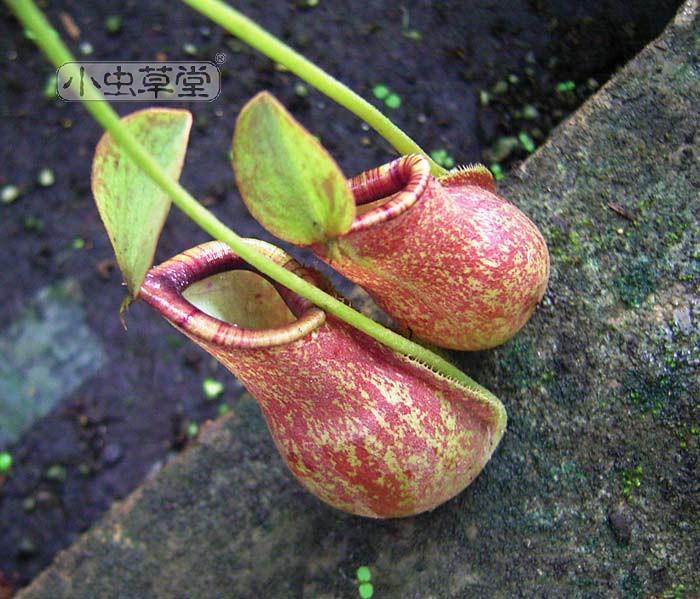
[255,36]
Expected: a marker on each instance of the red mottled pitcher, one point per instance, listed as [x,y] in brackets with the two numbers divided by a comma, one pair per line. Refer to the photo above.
[447,258]
[363,428]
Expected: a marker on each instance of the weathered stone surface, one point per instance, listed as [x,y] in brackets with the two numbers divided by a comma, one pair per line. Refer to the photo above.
[44,356]
[601,389]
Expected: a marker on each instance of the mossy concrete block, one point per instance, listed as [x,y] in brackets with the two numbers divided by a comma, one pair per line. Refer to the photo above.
[594,491]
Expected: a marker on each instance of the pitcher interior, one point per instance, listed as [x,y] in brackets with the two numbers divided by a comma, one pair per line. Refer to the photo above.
[242,298]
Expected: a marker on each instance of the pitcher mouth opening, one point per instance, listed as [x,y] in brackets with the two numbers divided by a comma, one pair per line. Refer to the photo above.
[166,289]
[389,190]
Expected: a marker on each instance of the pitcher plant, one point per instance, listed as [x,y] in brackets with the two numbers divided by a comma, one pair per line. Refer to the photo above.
[366,419]
[446,257]
[365,429]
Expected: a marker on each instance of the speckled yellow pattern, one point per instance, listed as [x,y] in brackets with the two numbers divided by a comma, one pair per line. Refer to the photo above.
[362,428]
[461,267]
[365,429]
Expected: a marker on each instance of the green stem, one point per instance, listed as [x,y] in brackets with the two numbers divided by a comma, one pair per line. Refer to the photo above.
[50,43]
[254,35]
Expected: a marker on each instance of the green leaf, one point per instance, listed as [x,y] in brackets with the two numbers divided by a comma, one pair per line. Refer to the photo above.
[289,183]
[133,208]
